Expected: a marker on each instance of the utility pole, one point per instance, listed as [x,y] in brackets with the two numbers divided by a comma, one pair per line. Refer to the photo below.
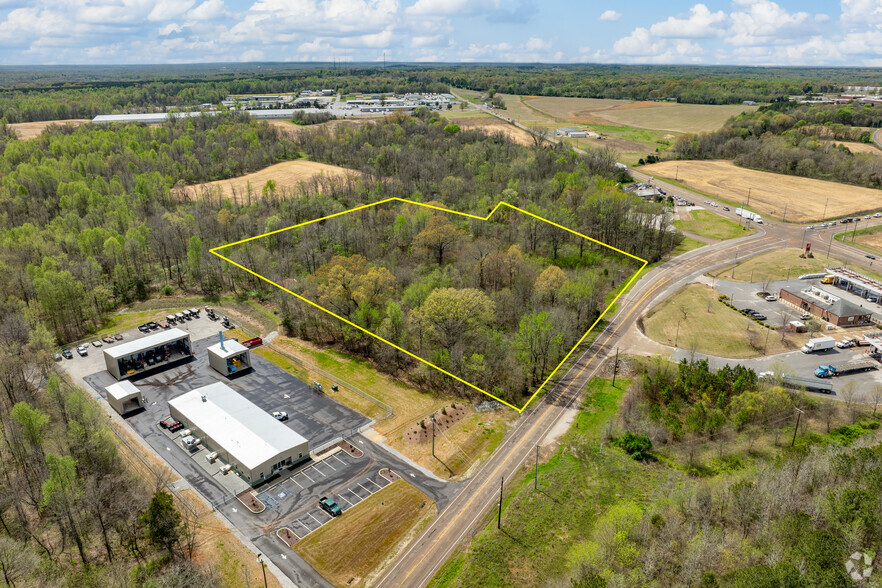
[499,516]
[784,218]
[536,481]
[433,435]
[734,264]
[677,336]
[748,196]
[795,429]
[824,216]
[262,567]
[829,247]
[615,367]
[677,174]
[766,344]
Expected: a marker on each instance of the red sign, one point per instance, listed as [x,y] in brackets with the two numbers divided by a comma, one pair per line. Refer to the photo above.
[808,247]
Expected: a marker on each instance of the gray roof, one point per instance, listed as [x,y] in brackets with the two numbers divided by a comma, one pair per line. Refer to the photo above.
[148,342]
[250,434]
[161,117]
[839,307]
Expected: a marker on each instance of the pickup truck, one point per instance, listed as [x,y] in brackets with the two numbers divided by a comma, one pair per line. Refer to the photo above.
[859,364]
[330,507]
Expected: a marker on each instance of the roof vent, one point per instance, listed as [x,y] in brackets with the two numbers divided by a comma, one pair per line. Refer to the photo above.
[204,399]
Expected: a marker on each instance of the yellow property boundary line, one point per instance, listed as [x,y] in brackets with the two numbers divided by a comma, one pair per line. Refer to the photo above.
[216,250]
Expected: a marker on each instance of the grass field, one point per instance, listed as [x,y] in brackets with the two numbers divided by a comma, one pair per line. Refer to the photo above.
[688,244]
[712,226]
[662,116]
[29,130]
[347,549]
[869,239]
[713,328]
[781,264]
[855,147]
[490,125]
[769,193]
[459,448]
[287,174]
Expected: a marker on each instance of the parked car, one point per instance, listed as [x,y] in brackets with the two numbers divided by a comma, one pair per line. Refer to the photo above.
[152,325]
[57,357]
[810,227]
[108,340]
[726,208]
[867,216]
[67,354]
[171,424]
[118,337]
[760,317]
[805,316]
[845,344]
[871,256]
[280,415]
[771,298]
[97,343]
[330,507]
[877,215]
[83,350]
[144,329]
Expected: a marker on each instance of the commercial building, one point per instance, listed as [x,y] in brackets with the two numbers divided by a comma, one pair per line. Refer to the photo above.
[856,283]
[147,353]
[124,397]
[826,306]
[229,357]
[247,438]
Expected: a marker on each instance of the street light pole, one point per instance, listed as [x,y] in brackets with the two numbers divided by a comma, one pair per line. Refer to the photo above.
[677,336]
[262,567]
[536,482]
[433,435]
[499,516]
[829,247]
[615,367]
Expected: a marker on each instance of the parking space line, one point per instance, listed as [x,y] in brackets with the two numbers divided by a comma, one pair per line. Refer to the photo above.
[347,502]
[307,477]
[319,471]
[338,459]
[356,495]
[375,484]
[363,488]
[329,465]
[296,482]
[315,519]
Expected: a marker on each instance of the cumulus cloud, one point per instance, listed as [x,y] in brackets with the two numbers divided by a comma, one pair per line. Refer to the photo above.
[208,10]
[763,21]
[610,15]
[700,22]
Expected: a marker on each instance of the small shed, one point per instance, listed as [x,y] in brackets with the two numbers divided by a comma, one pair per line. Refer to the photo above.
[124,397]
[229,357]
[797,326]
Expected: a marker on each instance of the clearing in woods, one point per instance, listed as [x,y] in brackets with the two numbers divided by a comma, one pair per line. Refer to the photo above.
[693,318]
[347,549]
[490,125]
[287,174]
[855,147]
[769,192]
[660,116]
[29,130]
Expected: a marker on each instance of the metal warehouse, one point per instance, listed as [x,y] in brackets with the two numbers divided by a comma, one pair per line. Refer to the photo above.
[245,436]
[147,353]
[124,397]
[229,357]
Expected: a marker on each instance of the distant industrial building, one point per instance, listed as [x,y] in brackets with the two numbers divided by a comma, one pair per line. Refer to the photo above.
[255,444]
[827,306]
[124,397]
[147,353]
[229,357]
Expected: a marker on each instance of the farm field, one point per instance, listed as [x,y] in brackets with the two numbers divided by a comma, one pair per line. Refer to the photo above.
[287,174]
[712,226]
[855,147]
[769,192]
[713,328]
[29,130]
[781,264]
[347,549]
[662,116]
[869,239]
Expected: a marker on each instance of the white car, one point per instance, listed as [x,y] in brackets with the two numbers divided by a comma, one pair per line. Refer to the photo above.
[878,214]
[83,350]
[707,201]
[845,344]
[866,216]
[96,343]
[280,415]
[771,298]
[810,227]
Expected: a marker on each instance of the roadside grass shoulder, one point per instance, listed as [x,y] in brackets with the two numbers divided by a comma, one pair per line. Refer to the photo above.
[781,264]
[686,246]
[578,482]
[868,239]
[710,225]
[348,548]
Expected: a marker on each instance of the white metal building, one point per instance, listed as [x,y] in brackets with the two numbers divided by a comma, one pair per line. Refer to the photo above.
[147,353]
[124,397]
[229,357]
[244,435]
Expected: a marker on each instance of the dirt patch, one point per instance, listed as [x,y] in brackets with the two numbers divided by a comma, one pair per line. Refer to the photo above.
[644,104]
[494,125]
[287,175]
[29,130]
[770,192]
[444,419]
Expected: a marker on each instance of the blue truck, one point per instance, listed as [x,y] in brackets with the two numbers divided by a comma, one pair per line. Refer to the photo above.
[858,364]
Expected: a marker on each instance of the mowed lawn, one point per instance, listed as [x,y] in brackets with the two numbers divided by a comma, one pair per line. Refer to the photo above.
[348,548]
[711,327]
[712,226]
[806,199]
[781,264]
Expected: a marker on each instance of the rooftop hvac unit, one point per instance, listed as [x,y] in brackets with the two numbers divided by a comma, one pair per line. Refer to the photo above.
[211,457]
[225,468]
[186,433]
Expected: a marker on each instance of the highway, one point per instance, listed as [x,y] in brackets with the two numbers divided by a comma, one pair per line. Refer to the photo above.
[424,556]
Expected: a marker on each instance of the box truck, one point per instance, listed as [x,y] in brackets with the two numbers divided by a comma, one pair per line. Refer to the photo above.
[818,344]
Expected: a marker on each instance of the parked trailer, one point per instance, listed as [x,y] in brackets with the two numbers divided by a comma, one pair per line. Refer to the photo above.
[809,384]
[858,364]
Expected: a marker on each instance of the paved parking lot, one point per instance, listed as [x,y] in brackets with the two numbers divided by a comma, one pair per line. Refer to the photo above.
[346,496]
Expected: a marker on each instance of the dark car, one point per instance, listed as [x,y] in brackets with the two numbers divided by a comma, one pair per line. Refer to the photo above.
[726,208]
[67,353]
[748,310]
[118,337]
[152,325]
[759,317]
[329,506]
[144,329]
[871,257]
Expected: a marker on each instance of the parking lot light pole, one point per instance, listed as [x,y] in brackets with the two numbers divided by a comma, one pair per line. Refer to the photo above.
[536,481]
[262,567]
[677,336]
[433,435]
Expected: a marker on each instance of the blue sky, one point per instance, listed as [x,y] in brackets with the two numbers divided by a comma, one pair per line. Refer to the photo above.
[747,32]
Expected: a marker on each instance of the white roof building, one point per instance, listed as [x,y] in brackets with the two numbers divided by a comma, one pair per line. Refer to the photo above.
[124,397]
[140,355]
[244,435]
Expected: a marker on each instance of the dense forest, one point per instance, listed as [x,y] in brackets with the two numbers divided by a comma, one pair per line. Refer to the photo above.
[82,92]
[795,139]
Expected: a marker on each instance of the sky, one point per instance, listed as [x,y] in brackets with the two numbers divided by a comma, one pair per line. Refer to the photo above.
[736,32]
